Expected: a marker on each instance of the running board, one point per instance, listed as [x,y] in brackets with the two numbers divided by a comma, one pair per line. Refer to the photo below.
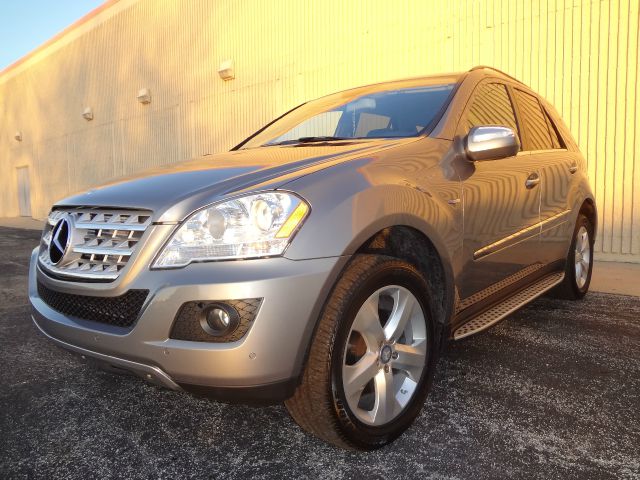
[496,313]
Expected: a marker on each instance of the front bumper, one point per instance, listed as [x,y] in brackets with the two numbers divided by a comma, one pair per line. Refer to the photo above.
[270,354]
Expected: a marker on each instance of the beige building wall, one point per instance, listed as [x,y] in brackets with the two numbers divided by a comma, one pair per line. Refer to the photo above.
[582,55]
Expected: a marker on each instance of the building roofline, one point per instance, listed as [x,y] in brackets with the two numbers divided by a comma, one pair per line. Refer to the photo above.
[64,34]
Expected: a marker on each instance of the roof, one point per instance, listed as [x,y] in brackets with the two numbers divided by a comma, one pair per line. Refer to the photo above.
[494,70]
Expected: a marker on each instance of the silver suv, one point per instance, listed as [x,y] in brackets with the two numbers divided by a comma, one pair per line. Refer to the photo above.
[328,259]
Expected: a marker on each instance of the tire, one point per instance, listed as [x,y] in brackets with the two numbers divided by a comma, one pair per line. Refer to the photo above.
[344,343]
[579,264]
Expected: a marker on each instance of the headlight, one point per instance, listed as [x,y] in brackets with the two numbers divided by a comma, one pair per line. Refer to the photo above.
[255,226]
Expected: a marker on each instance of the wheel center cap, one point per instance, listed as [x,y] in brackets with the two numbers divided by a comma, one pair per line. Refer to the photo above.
[385,354]
[578,257]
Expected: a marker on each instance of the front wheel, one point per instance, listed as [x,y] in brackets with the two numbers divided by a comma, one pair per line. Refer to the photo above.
[371,358]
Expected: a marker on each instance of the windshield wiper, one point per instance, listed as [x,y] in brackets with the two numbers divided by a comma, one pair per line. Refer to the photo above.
[308,140]
[321,139]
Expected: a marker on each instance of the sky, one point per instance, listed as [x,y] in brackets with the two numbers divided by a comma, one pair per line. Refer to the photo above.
[27,24]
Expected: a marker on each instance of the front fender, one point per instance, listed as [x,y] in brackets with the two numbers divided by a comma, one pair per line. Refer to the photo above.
[348,207]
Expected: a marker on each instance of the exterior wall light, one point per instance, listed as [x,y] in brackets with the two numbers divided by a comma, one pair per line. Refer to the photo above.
[18,136]
[87,114]
[144,96]
[226,70]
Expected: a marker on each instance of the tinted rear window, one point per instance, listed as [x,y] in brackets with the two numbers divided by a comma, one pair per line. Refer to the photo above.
[535,122]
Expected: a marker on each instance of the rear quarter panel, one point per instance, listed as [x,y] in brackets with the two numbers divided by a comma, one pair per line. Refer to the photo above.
[579,190]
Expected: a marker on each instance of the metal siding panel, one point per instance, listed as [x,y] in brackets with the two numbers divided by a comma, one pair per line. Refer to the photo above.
[632,156]
[92,157]
[50,176]
[605,139]
[582,55]
[618,119]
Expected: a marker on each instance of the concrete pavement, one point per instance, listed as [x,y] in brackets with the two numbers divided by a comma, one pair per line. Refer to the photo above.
[551,392]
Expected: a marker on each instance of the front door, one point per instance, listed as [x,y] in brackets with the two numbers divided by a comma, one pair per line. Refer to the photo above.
[24,192]
[501,201]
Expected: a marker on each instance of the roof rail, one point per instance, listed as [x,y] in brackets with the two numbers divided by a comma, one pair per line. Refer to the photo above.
[481,67]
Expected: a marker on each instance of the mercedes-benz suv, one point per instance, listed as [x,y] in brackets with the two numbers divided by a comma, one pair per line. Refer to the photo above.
[327,260]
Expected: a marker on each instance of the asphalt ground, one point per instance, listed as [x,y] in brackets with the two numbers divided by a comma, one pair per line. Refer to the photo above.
[551,392]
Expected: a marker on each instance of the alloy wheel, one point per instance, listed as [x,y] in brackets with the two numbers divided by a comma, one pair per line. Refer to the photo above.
[582,256]
[385,355]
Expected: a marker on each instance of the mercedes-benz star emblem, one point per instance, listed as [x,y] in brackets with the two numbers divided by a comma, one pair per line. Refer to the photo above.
[60,239]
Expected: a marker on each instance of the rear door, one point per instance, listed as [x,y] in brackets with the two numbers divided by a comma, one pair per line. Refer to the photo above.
[557,165]
[501,203]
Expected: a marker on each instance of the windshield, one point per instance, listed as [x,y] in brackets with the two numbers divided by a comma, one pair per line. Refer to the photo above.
[402,112]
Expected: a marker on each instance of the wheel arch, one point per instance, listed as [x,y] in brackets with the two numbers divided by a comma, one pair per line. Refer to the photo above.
[410,244]
[405,242]
[588,209]
[350,216]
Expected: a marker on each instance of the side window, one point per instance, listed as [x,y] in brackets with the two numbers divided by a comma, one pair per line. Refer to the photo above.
[535,122]
[553,131]
[491,106]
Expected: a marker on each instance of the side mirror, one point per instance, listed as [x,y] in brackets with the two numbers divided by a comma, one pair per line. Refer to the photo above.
[491,142]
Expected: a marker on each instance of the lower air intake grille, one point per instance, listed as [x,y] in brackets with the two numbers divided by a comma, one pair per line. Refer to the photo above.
[120,311]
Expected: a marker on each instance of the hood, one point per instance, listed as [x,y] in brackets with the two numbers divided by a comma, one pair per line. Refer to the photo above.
[212,177]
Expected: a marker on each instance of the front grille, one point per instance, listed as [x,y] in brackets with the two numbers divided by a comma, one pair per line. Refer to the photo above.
[121,311]
[102,242]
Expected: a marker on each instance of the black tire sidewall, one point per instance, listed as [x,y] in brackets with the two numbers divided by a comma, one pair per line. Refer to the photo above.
[366,436]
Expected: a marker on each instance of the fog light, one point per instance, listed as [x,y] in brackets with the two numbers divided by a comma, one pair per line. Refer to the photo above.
[219,320]
[207,320]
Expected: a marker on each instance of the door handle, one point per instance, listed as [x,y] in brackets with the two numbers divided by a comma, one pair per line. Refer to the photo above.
[532,180]
[573,168]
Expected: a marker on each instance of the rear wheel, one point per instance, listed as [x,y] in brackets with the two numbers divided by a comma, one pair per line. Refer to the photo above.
[371,358]
[579,266]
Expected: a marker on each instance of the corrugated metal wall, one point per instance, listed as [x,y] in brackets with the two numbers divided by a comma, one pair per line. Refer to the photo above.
[581,55]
